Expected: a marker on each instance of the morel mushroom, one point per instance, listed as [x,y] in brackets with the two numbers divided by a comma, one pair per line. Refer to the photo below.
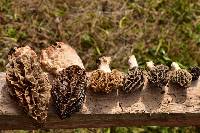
[195,72]
[69,76]
[105,80]
[158,75]
[58,57]
[135,78]
[68,91]
[180,76]
[29,85]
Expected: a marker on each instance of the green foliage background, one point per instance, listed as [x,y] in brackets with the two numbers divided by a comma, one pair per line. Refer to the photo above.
[158,30]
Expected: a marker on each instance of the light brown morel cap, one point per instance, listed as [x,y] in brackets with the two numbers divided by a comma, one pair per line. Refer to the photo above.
[21,51]
[28,85]
[59,56]
[104,80]
[180,76]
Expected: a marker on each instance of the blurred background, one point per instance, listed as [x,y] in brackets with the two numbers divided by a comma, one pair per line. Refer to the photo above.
[158,30]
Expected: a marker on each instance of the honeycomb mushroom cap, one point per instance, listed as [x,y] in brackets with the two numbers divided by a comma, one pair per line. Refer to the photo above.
[158,75]
[104,82]
[68,92]
[195,72]
[134,80]
[28,84]
[58,57]
[181,77]
[117,78]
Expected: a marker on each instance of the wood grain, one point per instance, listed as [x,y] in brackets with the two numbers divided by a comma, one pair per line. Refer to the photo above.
[151,106]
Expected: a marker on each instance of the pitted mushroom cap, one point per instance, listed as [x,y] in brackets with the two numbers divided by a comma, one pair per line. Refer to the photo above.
[21,51]
[104,80]
[158,75]
[117,78]
[180,76]
[195,72]
[68,91]
[28,84]
[134,80]
[59,56]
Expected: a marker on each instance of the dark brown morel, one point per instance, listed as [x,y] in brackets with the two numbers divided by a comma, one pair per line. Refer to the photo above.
[28,85]
[195,72]
[104,80]
[180,76]
[158,75]
[134,80]
[68,92]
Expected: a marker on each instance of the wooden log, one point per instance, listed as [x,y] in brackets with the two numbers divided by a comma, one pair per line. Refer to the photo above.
[151,106]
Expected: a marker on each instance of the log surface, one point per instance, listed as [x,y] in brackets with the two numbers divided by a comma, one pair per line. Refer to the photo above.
[151,106]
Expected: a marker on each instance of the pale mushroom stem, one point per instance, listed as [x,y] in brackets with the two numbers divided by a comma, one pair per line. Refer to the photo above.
[175,66]
[132,62]
[105,64]
[150,64]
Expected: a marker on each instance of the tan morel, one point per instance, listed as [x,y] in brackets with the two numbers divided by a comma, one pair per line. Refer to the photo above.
[105,80]
[29,85]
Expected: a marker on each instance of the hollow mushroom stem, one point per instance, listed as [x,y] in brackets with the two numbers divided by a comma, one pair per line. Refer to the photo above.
[175,66]
[132,62]
[105,64]
[150,64]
